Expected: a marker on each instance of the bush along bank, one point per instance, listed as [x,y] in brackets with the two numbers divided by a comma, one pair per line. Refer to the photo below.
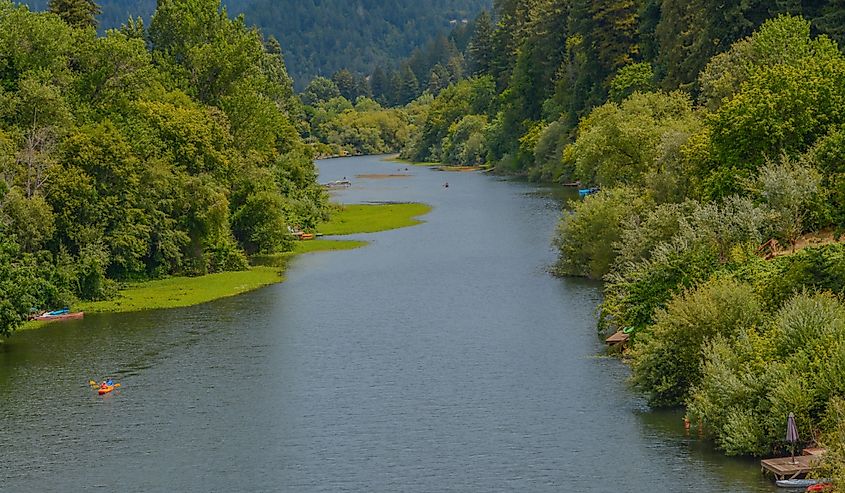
[690,191]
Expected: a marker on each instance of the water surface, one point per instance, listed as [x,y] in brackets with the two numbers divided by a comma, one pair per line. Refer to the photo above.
[441,357]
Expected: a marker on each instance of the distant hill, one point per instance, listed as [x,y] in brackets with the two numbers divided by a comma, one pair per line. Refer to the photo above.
[321,36]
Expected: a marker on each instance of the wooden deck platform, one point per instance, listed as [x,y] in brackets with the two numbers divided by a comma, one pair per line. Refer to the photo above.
[617,338]
[784,468]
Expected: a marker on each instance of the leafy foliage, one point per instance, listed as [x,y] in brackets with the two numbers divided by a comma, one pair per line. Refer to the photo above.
[586,236]
[751,383]
[126,158]
[668,358]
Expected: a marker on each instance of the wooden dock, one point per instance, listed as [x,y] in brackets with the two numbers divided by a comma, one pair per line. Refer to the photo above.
[617,338]
[784,468]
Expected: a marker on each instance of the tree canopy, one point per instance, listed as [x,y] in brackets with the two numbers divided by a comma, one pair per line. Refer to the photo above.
[139,154]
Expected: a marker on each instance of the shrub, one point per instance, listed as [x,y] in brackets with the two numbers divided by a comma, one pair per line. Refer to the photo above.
[586,235]
[668,357]
[752,382]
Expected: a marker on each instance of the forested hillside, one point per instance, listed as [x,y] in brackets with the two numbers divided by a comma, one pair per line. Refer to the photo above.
[320,37]
[141,153]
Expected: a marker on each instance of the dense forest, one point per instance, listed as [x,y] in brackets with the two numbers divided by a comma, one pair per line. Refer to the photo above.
[323,36]
[713,135]
[141,153]
[376,113]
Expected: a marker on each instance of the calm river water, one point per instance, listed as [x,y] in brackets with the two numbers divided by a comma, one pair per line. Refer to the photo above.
[441,357]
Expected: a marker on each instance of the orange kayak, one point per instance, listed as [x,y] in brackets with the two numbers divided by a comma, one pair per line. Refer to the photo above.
[107,388]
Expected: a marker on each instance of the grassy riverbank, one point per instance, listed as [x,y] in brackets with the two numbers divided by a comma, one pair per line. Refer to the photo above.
[177,292]
[371,218]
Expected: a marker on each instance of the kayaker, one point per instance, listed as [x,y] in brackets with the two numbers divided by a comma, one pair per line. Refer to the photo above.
[109,382]
[103,384]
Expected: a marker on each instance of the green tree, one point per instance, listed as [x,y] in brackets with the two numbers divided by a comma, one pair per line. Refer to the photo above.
[319,90]
[380,86]
[438,79]
[260,224]
[784,40]
[481,46]
[346,84]
[409,87]
[77,13]
[203,47]
[614,33]
[29,220]
[792,191]
[586,237]
[620,143]
[470,96]
[637,77]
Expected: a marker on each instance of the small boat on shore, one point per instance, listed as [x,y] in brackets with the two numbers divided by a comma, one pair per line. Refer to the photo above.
[338,184]
[302,235]
[59,315]
[800,483]
[820,487]
[583,192]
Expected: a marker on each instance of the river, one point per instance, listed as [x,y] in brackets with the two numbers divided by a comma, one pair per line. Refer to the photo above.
[441,357]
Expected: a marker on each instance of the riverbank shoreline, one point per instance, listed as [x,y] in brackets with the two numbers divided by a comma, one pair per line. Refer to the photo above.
[184,291]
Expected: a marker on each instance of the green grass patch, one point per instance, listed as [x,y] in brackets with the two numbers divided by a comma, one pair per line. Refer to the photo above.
[370,218]
[175,292]
[310,246]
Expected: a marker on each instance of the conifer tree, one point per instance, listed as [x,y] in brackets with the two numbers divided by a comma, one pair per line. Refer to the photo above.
[380,86]
[346,84]
[410,86]
[77,13]
[481,45]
